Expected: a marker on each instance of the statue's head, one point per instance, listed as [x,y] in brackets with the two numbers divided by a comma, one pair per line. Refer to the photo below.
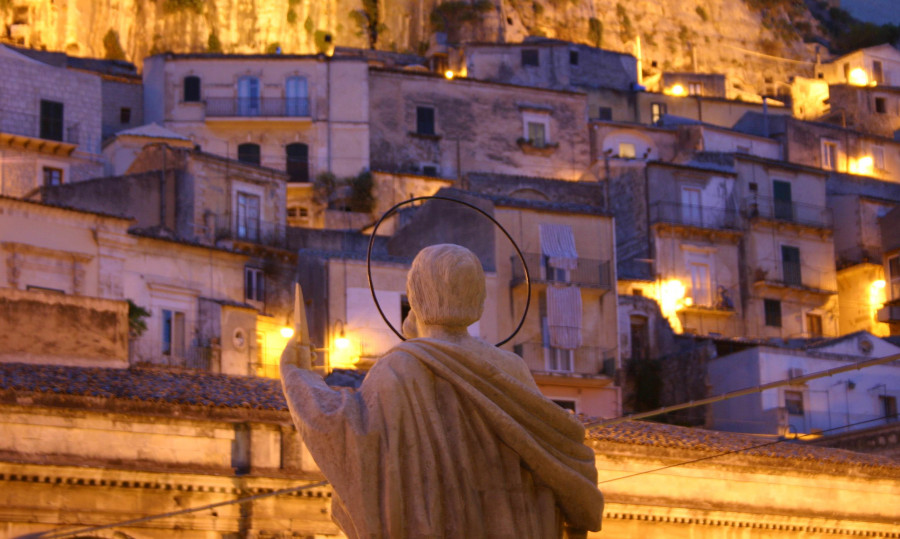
[445,286]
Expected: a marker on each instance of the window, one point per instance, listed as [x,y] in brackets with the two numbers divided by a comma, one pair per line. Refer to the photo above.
[537,134]
[425,120]
[172,333]
[125,115]
[814,325]
[626,150]
[565,404]
[783,200]
[247,216]
[701,292]
[51,120]
[691,210]
[52,176]
[847,71]
[573,58]
[793,401]
[430,170]
[878,157]
[297,157]
[297,212]
[248,96]
[772,309]
[559,359]
[880,105]
[604,113]
[894,275]
[530,57]
[888,407]
[695,88]
[878,72]
[829,154]
[657,111]
[248,153]
[254,285]
[296,96]
[790,265]
[191,89]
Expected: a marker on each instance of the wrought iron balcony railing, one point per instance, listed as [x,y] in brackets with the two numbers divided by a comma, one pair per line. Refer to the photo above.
[257,106]
[250,231]
[588,273]
[787,211]
[697,216]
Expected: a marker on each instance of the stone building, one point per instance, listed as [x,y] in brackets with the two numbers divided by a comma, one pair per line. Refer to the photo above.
[422,123]
[50,124]
[302,114]
[890,312]
[841,403]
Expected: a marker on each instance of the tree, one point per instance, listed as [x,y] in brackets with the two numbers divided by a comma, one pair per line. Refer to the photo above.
[113,48]
[368,20]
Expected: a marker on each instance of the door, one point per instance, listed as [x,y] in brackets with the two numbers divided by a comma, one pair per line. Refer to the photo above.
[784,205]
[248,96]
[790,265]
[700,286]
[690,206]
[297,96]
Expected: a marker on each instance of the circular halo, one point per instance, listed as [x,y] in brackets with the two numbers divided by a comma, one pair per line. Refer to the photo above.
[393,210]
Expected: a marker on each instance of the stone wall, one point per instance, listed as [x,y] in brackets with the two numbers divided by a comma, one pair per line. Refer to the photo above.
[55,328]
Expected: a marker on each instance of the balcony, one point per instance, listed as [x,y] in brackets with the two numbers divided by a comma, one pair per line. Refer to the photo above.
[794,277]
[30,132]
[787,211]
[200,358]
[588,274]
[258,107]
[249,231]
[707,217]
[587,362]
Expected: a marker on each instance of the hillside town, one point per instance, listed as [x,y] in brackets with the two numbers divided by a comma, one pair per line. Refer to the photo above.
[709,276]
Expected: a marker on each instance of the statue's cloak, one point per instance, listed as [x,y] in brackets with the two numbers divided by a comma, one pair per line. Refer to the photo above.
[443,440]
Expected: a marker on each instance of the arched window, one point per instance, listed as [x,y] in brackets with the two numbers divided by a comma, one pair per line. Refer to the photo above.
[248,153]
[297,162]
[248,96]
[296,96]
[191,89]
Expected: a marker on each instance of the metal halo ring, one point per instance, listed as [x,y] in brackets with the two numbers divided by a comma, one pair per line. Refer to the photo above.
[464,203]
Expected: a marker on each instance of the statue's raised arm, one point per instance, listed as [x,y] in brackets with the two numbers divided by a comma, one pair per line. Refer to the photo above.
[448,436]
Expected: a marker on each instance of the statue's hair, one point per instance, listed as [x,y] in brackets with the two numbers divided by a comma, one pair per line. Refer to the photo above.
[445,286]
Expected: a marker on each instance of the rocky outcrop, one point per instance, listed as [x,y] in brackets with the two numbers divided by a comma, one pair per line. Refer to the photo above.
[725,36]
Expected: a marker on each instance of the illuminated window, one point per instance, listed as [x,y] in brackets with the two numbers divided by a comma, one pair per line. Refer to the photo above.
[878,157]
[878,72]
[425,120]
[626,150]
[772,309]
[254,285]
[695,88]
[829,154]
[530,57]
[52,176]
[793,402]
[701,293]
[657,111]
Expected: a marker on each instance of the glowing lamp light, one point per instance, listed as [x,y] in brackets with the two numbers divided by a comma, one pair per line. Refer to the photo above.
[863,165]
[287,332]
[677,90]
[342,343]
[858,77]
[880,283]
[671,300]
[449,74]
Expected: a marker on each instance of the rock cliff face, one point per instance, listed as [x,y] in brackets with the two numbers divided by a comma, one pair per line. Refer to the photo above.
[675,35]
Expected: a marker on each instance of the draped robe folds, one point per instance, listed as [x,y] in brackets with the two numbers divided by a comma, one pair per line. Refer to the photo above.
[446,440]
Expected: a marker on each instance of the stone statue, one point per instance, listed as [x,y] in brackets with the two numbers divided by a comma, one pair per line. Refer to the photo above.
[448,436]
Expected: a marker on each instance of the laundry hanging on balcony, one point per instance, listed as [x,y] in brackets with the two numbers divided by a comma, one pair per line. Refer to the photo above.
[558,245]
[564,316]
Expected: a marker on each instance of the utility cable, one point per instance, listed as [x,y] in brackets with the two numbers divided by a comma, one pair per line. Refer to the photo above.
[732,451]
[70,533]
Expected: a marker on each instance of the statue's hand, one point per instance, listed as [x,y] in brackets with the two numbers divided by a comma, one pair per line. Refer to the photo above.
[299,355]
